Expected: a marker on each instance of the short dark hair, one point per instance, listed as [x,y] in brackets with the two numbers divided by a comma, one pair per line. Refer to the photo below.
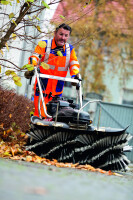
[64,26]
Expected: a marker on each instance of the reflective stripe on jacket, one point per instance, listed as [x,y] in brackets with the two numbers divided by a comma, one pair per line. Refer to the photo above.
[58,65]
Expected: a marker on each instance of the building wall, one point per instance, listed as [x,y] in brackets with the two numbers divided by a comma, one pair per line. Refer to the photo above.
[116,86]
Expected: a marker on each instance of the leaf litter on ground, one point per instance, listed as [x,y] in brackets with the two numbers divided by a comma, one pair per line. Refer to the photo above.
[12,144]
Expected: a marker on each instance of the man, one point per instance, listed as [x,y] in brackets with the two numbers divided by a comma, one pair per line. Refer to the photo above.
[58,65]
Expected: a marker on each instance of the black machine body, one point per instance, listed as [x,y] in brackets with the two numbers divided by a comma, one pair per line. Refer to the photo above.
[67,111]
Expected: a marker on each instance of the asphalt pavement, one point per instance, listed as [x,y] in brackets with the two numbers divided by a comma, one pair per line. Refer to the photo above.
[21,180]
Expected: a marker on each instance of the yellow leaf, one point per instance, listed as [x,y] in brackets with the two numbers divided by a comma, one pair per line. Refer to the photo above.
[18,1]
[14,22]
[10,115]
[14,36]
[7,153]
[31,113]
[45,5]
[29,17]
[18,83]
[30,67]
[42,44]
[45,66]
[16,78]
[10,72]
[62,17]
[87,3]
[38,28]
[0,68]
[1,125]
[4,2]
[59,53]
[11,15]
[12,151]
[10,129]
[29,158]
[7,46]
[30,1]
[38,18]
[22,134]
[1,52]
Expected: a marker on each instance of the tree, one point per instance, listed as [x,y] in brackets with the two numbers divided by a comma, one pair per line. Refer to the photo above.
[103,31]
[14,27]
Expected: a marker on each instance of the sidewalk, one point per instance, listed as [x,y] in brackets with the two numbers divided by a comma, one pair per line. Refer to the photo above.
[32,181]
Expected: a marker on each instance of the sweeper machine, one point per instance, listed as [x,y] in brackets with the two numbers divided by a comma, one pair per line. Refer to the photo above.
[67,133]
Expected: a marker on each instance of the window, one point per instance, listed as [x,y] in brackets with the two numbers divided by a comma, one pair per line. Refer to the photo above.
[127,96]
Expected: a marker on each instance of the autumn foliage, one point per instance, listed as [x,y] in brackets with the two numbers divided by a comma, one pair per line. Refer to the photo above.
[14,110]
[102,29]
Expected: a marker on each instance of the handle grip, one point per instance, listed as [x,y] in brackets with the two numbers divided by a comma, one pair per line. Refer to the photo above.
[30,60]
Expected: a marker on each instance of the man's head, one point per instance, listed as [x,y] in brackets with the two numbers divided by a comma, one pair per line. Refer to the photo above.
[62,34]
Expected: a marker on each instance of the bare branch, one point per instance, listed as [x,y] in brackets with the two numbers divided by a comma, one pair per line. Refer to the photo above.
[20,49]
[2,59]
[22,13]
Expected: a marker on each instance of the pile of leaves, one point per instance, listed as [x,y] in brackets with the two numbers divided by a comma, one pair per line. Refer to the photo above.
[12,144]
[14,121]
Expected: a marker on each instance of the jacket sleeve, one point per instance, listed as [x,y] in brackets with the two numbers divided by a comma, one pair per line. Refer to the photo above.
[74,64]
[35,56]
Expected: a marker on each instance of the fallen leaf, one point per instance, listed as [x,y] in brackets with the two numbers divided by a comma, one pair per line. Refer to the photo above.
[12,151]
[10,115]
[36,190]
[28,158]
[7,153]
[1,125]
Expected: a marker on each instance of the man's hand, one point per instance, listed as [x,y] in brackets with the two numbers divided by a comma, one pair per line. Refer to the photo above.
[77,76]
[29,74]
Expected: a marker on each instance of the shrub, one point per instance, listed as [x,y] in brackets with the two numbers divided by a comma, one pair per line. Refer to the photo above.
[14,110]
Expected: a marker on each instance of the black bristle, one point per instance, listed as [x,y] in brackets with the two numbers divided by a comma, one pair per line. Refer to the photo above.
[104,150]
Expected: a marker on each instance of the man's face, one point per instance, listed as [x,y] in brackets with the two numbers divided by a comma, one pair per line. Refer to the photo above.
[61,36]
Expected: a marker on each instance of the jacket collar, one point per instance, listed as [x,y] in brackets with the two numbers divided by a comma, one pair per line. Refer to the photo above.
[53,46]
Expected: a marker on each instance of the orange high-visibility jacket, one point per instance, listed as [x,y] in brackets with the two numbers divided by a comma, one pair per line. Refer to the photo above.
[58,65]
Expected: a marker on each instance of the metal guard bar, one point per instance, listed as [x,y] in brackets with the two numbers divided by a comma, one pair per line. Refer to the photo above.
[59,78]
[38,75]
